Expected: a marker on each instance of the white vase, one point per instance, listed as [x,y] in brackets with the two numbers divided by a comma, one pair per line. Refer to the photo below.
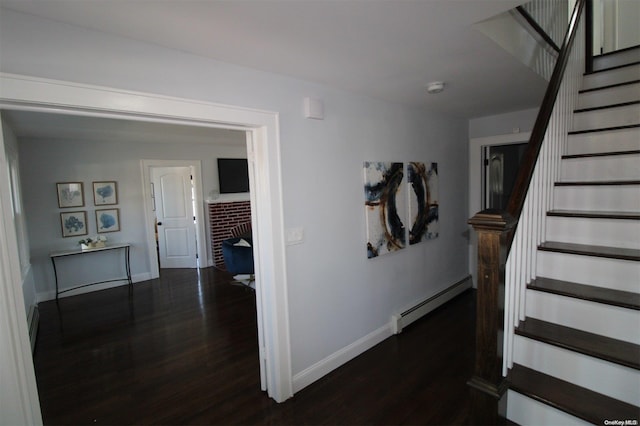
[92,245]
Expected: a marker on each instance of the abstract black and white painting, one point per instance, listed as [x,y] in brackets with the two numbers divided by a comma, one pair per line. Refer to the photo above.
[385,205]
[423,201]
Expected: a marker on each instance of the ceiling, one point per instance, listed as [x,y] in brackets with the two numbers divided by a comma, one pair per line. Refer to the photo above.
[385,49]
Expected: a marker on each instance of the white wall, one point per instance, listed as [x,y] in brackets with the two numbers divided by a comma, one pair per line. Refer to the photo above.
[87,161]
[336,295]
[502,124]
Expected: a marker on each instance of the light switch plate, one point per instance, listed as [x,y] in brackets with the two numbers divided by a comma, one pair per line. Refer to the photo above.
[294,235]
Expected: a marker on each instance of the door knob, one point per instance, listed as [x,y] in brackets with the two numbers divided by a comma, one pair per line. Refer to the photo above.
[159,223]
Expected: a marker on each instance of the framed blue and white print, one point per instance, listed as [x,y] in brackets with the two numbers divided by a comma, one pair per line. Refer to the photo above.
[73,223]
[108,220]
[70,194]
[105,193]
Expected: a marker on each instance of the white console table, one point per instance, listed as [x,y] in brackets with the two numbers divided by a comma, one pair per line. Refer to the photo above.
[121,246]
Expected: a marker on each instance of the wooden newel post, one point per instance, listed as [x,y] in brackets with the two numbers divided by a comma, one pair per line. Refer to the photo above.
[488,387]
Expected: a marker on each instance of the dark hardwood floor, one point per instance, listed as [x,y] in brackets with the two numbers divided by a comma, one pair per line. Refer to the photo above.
[183,350]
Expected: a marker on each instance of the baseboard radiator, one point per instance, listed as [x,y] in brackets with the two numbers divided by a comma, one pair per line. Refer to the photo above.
[403,319]
[33,320]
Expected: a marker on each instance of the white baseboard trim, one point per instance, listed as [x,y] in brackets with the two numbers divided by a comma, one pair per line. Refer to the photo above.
[422,308]
[337,359]
[346,354]
[51,294]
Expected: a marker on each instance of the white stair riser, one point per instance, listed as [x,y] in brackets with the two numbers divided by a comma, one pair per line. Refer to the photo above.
[616,59]
[620,324]
[608,117]
[612,167]
[616,274]
[600,376]
[609,96]
[606,78]
[527,411]
[609,141]
[604,232]
[621,198]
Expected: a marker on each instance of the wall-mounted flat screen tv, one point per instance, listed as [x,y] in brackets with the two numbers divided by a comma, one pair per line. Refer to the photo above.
[233,175]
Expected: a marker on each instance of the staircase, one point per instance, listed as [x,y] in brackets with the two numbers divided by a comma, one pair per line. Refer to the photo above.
[577,353]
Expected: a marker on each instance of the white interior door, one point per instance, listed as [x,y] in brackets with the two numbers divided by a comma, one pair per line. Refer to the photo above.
[175,219]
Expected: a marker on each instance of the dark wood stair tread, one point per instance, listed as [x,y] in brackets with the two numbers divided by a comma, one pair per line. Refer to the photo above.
[595,214]
[624,299]
[590,250]
[575,400]
[600,154]
[609,86]
[615,67]
[599,183]
[609,106]
[597,346]
[604,129]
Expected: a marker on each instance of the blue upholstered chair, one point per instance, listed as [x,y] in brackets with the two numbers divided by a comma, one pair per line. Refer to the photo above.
[238,258]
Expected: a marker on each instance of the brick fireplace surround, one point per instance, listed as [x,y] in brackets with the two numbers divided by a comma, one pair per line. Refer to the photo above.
[223,218]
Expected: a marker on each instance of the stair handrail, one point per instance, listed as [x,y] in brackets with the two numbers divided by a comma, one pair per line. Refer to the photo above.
[537,27]
[507,239]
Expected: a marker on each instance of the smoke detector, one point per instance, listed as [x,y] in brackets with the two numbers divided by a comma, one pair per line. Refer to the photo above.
[435,87]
